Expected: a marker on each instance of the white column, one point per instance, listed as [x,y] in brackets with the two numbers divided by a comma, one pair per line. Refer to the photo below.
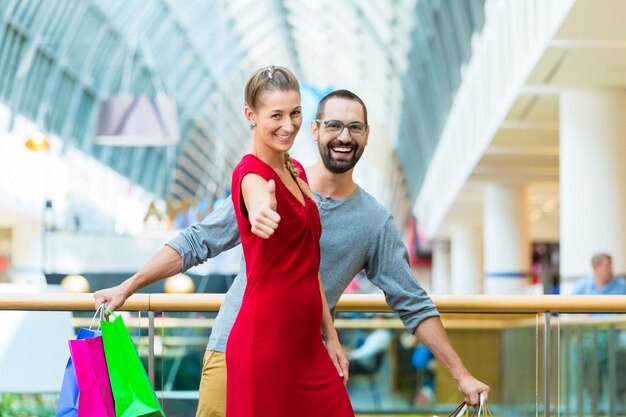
[506,239]
[466,259]
[593,179]
[440,280]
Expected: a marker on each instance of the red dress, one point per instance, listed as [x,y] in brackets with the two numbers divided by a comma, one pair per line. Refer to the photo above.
[276,362]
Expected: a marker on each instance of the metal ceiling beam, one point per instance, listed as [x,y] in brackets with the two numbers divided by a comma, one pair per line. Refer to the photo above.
[283,13]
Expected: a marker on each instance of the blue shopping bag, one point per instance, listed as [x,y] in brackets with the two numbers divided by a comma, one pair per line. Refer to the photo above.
[68,399]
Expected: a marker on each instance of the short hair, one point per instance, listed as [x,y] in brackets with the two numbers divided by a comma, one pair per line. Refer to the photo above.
[271,78]
[599,257]
[344,94]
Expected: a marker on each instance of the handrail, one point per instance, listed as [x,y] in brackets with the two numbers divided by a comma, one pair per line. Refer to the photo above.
[348,302]
[528,304]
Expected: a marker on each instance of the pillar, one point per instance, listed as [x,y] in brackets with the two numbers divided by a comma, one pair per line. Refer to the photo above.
[466,259]
[506,239]
[440,281]
[593,179]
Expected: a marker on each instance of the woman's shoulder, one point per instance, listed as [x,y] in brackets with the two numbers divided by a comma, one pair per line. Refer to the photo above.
[251,164]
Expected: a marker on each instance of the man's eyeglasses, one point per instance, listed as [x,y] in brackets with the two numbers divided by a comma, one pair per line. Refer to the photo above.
[335,127]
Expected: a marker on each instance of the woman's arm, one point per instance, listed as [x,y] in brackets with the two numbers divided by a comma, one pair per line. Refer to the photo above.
[332,339]
[259,197]
[333,346]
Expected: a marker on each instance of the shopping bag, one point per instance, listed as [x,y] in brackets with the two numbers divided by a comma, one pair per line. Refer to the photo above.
[132,391]
[95,397]
[68,398]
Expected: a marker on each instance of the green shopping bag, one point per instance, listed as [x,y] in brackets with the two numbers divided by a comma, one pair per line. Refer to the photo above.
[132,391]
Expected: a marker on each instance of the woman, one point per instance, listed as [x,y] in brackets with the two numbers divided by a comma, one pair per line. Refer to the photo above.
[275,358]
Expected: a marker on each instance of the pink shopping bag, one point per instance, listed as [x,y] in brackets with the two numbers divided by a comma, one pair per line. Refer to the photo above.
[95,398]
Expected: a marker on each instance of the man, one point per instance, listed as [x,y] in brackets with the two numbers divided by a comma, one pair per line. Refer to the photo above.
[602,282]
[357,233]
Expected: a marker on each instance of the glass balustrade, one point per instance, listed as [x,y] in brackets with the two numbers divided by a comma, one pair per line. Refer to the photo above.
[538,364]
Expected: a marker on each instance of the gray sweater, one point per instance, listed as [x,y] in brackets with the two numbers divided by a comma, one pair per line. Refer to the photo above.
[358,233]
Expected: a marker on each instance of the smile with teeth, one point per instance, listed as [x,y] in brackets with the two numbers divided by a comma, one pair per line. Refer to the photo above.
[342,149]
[283,138]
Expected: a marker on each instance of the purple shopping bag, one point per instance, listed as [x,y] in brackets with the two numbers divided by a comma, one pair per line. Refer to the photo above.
[95,396]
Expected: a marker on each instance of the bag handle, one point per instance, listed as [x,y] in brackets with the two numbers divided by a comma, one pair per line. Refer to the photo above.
[104,307]
[460,410]
[100,312]
[482,409]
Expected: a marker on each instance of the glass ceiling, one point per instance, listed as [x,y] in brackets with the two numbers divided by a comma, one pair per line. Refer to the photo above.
[403,57]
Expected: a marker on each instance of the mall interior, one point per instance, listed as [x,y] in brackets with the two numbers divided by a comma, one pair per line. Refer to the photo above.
[497,140]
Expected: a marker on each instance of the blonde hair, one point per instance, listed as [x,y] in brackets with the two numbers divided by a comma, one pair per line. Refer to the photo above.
[290,166]
[271,78]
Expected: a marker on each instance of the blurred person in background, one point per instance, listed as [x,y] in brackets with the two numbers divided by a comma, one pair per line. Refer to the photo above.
[602,281]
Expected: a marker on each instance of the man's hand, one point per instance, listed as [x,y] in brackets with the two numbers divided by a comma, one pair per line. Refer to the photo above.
[335,351]
[472,388]
[113,298]
[262,214]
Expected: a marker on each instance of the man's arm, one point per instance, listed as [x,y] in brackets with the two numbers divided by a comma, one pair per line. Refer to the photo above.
[218,232]
[388,268]
[432,334]
[165,263]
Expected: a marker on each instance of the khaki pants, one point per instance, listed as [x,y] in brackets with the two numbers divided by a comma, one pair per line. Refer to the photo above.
[212,401]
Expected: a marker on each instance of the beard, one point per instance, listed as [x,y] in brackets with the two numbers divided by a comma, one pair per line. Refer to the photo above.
[339,166]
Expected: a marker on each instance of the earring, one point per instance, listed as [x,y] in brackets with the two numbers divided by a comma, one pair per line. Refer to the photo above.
[253,125]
